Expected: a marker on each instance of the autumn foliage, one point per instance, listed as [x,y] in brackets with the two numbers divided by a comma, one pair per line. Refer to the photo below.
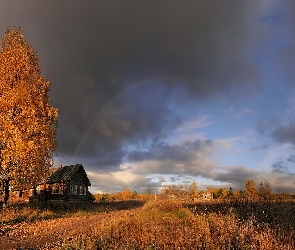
[28,121]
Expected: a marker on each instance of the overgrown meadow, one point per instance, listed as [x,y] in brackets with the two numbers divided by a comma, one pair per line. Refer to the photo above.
[172,224]
[35,211]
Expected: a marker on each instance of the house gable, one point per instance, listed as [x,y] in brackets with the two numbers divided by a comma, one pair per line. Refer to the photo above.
[68,174]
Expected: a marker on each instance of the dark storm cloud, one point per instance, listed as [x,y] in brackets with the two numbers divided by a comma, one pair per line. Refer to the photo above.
[116,65]
[285,133]
[237,175]
[279,167]
[281,133]
[291,158]
[284,60]
[177,153]
[264,127]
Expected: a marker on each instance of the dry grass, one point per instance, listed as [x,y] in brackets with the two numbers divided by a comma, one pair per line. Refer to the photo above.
[29,212]
[20,213]
[168,225]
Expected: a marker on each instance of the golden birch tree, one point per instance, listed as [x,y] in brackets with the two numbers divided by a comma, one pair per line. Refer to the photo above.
[265,192]
[126,194]
[193,190]
[28,122]
[251,191]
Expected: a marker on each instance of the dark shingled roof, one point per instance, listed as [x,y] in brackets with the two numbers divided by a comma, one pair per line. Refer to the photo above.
[65,173]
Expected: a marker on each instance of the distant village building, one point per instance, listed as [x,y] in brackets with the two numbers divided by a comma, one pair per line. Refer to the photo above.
[207,195]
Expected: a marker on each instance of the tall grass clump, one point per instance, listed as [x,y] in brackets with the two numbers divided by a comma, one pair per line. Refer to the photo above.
[23,212]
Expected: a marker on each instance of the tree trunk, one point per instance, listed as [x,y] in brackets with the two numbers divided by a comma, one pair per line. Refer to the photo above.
[6,191]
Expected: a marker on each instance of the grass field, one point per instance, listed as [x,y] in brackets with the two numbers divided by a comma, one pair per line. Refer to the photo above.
[170,224]
[23,212]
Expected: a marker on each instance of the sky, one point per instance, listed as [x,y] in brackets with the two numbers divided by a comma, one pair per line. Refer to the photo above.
[156,93]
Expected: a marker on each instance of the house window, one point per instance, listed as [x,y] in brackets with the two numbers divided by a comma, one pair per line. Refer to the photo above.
[76,189]
[71,189]
[85,190]
[81,190]
[55,189]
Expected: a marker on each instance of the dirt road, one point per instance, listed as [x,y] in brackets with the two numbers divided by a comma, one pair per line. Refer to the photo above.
[46,234]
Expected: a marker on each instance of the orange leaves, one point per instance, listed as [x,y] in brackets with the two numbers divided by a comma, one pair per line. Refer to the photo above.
[126,194]
[28,122]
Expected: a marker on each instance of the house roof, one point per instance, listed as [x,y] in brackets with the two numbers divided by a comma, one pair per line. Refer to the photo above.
[65,173]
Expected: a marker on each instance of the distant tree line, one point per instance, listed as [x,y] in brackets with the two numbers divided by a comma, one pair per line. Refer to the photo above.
[190,192]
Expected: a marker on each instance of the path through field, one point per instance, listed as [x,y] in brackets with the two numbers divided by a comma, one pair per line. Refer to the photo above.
[46,234]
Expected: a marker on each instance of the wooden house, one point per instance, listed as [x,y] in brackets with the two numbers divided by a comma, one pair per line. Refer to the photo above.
[207,195]
[69,184]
